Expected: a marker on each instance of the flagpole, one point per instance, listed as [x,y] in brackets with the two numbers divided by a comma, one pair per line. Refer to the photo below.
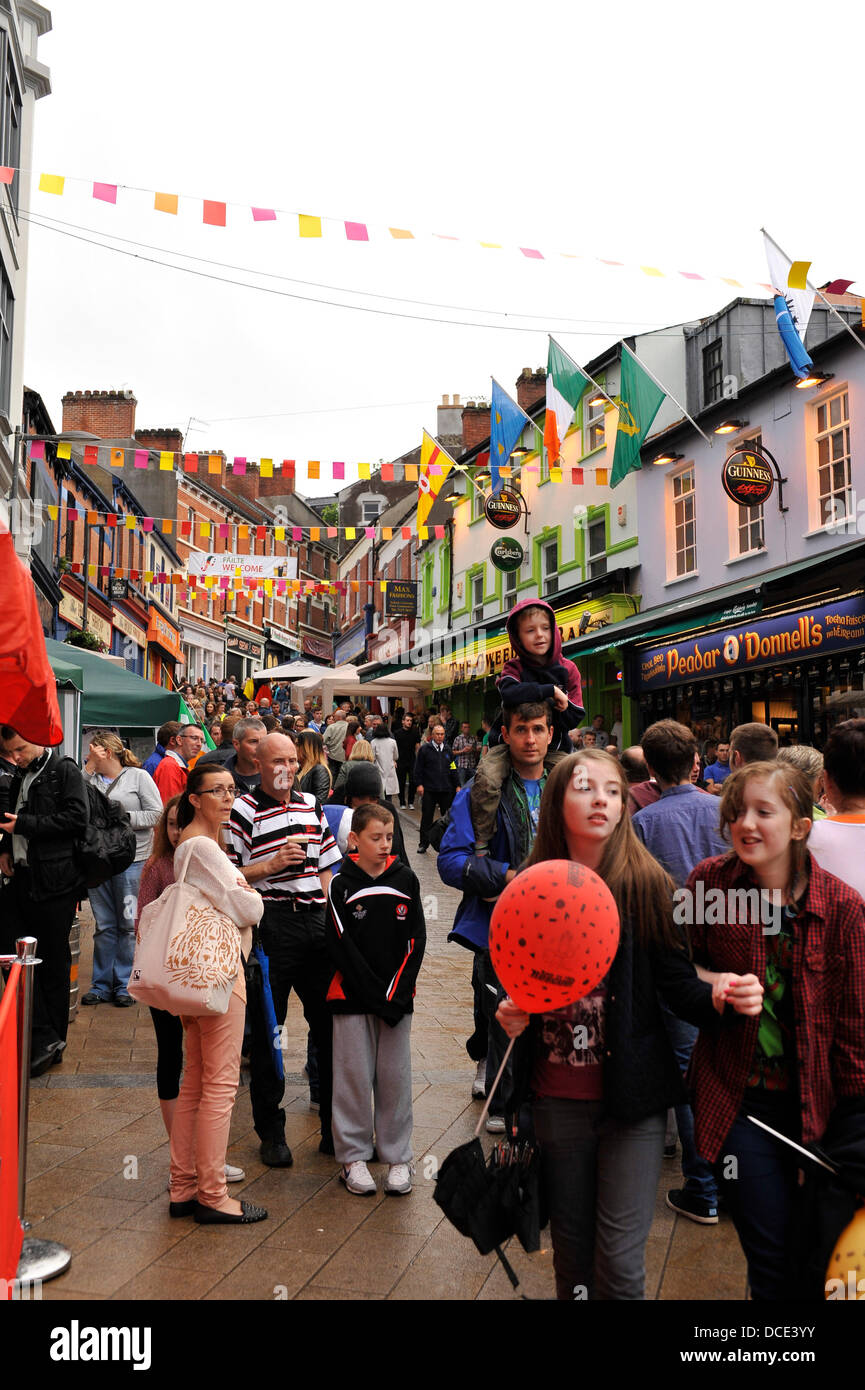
[661,387]
[831,307]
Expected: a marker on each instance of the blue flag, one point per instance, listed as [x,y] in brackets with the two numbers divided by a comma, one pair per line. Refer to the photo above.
[507,422]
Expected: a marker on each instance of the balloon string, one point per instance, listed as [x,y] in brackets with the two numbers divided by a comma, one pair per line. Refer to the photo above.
[494,1087]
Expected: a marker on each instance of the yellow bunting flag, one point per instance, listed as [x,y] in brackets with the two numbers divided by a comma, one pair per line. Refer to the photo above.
[308,226]
[91,571]
[130,522]
[651,270]
[312,468]
[798,276]
[280,533]
[165,202]
[265,468]
[268,586]
[148,576]
[64,450]
[166,460]
[363,470]
[601,477]
[214,463]
[423,533]
[382,584]
[51,183]
[555,475]
[118,458]
[204,529]
[349,533]
[53,512]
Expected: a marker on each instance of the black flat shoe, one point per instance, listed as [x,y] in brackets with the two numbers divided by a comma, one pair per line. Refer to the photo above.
[209,1216]
[182,1208]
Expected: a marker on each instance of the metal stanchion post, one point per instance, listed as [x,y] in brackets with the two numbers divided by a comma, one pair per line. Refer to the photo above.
[40,1259]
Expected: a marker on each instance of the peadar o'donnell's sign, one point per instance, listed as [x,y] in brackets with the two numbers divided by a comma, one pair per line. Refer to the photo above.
[818,631]
[503,509]
[747,477]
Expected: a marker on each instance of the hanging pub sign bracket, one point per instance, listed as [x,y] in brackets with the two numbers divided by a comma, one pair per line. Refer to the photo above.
[747,477]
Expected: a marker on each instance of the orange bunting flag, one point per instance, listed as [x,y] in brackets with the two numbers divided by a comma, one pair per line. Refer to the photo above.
[118,458]
[165,202]
[214,463]
[312,468]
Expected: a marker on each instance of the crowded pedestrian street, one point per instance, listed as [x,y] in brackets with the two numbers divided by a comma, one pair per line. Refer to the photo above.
[98,1173]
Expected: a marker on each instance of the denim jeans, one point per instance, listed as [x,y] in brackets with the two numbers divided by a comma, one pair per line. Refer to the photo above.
[698,1175]
[760,1192]
[114,903]
[601,1178]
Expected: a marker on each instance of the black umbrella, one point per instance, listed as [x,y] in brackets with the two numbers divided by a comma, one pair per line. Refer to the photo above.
[490,1200]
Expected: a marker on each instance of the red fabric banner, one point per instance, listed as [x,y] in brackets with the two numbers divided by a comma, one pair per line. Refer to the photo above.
[28,690]
[11,1234]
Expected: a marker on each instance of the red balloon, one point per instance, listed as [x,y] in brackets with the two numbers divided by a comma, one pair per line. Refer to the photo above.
[553,935]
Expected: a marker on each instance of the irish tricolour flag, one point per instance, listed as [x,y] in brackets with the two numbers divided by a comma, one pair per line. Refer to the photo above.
[565,385]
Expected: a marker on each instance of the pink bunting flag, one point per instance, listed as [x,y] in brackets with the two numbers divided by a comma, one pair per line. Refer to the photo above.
[339,470]
[280,586]
[37,449]
[213,213]
[332,533]
[439,532]
[296,533]
[532,255]
[356,231]
[239,465]
[577,476]
[224,581]
[72,513]
[140,458]
[6,174]
[369,532]
[263,215]
[691,275]
[224,530]
[105,192]
[147,523]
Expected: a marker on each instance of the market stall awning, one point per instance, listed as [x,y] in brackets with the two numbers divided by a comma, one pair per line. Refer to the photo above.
[111,695]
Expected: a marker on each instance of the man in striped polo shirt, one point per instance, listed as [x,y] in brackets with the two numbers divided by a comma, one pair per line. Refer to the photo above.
[279,839]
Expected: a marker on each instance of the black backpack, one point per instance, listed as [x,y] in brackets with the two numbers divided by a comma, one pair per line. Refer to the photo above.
[107,845]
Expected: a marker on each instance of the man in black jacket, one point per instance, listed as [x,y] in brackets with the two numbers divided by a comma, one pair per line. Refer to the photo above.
[47,813]
[240,758]
[434,781]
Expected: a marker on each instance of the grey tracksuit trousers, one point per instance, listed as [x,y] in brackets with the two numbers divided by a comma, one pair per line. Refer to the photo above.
[371,1058]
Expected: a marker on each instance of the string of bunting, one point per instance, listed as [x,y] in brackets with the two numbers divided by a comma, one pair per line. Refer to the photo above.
[234,582]
[168,461]
[214,213]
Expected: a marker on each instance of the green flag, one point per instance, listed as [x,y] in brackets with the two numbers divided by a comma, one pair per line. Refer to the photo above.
[187,717]
[639,401]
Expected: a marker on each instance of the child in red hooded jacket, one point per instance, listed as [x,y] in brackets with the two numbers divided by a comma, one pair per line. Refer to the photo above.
[536,673]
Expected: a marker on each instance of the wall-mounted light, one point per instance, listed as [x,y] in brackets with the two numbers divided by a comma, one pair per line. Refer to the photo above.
[813,379]
[520,453]
[668,457]
[596,400]
[730,426]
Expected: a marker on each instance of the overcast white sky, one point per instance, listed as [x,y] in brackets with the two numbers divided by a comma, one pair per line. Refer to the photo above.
[662,134]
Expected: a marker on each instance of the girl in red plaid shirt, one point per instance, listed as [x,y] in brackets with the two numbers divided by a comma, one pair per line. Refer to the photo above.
[797,1047]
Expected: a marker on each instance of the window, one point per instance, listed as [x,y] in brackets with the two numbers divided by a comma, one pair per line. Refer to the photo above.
[684,523]
[10,132]
[7,305]
[510,590]
[833,458]
[371,510]
[597,547]
[750,531]
[713,373]
[593,423]
[550,567]
[477,598]
[308,612]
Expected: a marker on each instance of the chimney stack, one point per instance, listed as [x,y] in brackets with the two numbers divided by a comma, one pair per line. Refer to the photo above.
[107,414]
[531,388]
[449,427]
[475,423]
[168,439]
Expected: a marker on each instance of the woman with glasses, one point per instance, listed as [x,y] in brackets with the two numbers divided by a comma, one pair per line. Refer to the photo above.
[202,1118]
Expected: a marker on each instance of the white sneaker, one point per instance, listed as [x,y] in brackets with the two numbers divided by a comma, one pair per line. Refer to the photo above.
[495,1124]
[398,1181]
[479,1085]
[233,1174]
[358,1179]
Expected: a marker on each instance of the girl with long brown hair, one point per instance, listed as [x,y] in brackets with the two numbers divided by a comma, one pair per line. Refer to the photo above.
[800,1052]
[600,1097]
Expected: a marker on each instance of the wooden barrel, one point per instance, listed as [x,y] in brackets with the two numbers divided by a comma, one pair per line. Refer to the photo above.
[75,948]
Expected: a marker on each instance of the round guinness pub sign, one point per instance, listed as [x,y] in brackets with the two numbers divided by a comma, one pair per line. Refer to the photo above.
[504,510]
[747,477]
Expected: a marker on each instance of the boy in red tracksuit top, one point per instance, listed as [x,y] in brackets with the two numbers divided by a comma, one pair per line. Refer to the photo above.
[376,936]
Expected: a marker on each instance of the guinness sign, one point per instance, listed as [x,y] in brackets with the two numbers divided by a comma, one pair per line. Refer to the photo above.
[747,478]
[503,510]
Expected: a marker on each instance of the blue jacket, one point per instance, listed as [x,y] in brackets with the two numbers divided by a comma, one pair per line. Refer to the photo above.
[154,760]
[479,878]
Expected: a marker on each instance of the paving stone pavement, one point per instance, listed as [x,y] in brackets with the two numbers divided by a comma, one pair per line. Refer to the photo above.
[98,1173]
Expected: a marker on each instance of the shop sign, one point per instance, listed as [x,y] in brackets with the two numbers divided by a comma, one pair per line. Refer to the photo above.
[400,598]
[118,588]
[828,627]
[280,638]
[747,477]
[71,609]
[164,634]
[322,647]
[243,646]
[228,564]
[125,625]
[503,510]
[507,554]
[487,655]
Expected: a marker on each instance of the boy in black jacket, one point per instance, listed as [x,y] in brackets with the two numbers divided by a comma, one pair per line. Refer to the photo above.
[376,937]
